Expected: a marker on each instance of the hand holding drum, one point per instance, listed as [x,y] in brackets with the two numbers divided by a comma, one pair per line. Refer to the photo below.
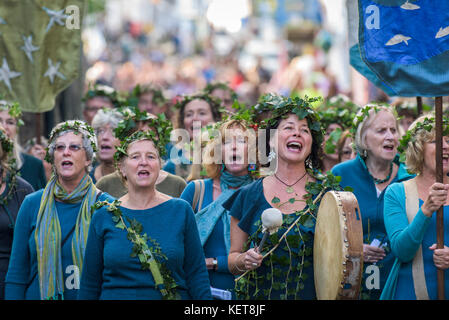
[271,222]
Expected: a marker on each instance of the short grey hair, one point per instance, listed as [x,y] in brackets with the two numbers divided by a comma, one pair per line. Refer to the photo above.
[360,135]
[106,117]
[87,141]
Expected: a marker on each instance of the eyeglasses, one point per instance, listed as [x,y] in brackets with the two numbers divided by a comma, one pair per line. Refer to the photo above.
[72,147]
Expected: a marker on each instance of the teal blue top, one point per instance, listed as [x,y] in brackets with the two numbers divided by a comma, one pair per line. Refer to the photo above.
[214,246]
[247,205]
[33,171]
[405,240]
[354,174]
[22,282]
[110,273]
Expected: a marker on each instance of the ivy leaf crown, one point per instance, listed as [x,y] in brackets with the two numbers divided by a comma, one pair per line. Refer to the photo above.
[99,90]
[130,123]
[210,87]
[77,127]
[428,124]
[338,109]
[157,98]
[278,107]
[366,111]
[215,103]
[13,109]
[122,150]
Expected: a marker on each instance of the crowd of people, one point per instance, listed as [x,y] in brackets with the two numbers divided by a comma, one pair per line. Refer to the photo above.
[156,198]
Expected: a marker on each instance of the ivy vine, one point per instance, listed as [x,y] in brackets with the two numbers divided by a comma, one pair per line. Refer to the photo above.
[151,256]
[290,244]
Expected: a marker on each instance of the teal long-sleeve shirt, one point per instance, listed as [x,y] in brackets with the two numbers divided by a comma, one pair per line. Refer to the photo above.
[110,273]
[354,174]
[406,239]
[22,280]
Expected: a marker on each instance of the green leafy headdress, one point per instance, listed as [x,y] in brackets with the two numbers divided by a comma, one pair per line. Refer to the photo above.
[279,107]
[158,97]
[130,124]
[98,90]
[427,124]
[122,150]
[338,109]
[210,87]
[77,127]
[13,109]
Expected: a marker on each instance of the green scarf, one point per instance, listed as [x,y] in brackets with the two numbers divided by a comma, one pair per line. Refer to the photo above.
[48,233]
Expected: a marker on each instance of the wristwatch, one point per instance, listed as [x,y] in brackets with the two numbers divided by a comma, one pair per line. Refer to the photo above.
[215,264]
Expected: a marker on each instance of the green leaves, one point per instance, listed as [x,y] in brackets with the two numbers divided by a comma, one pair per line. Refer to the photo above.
[283,270]
[150,257]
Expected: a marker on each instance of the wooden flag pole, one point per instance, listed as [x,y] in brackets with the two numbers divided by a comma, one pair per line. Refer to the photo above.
[38,128]
[419,103]
[439,178]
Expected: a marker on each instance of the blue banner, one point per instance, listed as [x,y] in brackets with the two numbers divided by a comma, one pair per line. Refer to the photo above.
[403,46]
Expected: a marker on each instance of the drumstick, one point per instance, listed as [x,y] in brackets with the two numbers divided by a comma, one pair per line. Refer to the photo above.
[264,238]
[271,221]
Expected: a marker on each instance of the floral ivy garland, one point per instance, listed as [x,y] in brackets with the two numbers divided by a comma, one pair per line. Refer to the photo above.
[254,284]
[130,123]
[77,127]
[427,124]
[151,256]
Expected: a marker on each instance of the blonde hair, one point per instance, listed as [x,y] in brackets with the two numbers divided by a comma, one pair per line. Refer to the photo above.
[414,152]
[213,169]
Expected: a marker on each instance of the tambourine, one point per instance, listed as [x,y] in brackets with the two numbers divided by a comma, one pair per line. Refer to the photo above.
[338,247]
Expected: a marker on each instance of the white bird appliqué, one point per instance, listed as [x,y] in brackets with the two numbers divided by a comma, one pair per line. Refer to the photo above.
[410,6]
[442,32]
[398,39]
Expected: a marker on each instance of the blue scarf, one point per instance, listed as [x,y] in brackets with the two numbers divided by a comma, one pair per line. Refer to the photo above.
[207,217]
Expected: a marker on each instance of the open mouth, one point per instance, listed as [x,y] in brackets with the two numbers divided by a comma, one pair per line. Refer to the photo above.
[235,159]
[143,173]
[294,146]
[67,164]
[105,147]
[388,148]
[445,158]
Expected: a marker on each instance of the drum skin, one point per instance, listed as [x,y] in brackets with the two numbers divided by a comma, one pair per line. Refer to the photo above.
[338,247]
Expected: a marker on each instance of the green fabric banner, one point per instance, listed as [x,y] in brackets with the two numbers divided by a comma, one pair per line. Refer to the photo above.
[40,47]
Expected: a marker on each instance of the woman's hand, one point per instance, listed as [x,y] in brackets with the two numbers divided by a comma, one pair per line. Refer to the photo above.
[440,257]
[251,259]
[437,197]
[372,254]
